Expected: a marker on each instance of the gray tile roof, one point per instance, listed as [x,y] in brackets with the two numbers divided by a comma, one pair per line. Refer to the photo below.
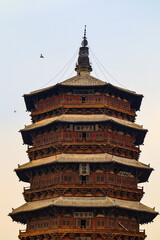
[74,118]
[84,80]
[88,158]
[105,202]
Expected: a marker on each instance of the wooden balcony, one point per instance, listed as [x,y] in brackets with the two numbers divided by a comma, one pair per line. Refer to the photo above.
[78,105]
[58,147]
[62,232]
[103,141]
[95,190]
[91,184]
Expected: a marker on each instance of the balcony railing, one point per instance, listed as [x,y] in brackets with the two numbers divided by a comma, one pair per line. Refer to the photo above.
[77,184]
[86,141]
[89,103]
[60,230]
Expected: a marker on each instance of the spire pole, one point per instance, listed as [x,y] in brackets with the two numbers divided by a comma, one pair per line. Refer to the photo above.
[84,32]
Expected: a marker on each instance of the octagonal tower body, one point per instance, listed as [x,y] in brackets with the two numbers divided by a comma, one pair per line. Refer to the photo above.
[83,170]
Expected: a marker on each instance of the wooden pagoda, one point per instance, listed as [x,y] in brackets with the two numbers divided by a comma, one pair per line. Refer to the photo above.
[83,169]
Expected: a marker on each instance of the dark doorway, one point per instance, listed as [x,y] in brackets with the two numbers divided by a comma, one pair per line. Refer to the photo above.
[84,136]
[83,179]
[83,99]
[83,223]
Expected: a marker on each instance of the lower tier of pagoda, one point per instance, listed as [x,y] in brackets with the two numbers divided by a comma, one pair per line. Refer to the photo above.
[90,218]
[107,205]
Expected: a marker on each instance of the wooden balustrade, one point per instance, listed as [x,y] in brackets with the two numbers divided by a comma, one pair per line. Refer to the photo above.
[96,230]
[84,185]
[81,141]
[108,102]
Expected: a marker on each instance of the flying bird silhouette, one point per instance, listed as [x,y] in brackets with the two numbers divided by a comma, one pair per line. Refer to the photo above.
[41,56]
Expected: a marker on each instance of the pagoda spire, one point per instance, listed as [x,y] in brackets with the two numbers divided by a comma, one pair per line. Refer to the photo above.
[83,64]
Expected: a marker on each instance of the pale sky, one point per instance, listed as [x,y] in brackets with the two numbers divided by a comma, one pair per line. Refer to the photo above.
[125,37]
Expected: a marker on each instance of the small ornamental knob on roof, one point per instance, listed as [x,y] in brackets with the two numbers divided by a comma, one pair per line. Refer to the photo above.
[83,64]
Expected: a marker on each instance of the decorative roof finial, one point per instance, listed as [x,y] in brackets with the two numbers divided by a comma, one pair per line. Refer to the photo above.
[83,64]
[84,42]
[84,31]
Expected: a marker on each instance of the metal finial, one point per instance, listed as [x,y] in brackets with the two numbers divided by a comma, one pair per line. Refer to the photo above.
[84,31]
[84,42]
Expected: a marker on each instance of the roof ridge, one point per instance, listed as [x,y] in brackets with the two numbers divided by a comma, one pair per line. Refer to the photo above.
[79,78]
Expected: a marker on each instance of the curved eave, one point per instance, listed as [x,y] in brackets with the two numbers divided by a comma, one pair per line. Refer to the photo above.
[83,82]
[136,98]
[81,119]
[30,97]
[144,170]
[20,213]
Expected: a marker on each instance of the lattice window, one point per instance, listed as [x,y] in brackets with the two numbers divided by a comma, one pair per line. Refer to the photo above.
[99,137]
[48,104]
[69,99]
[35,183]
[98,99]
[68,136]
[67,178]
[46,224]
[100,179]
[40,225]
[100,223]
[49,181]
[66,223]
[111,178]
[56,179]
[44,181]
[119,180]
[54,223]
[52,102]
[46,140]
[31,226]
[40,106]
[38,142]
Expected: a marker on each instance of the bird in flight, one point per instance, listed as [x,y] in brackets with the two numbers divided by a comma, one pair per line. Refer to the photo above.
[41,56]
[15,111]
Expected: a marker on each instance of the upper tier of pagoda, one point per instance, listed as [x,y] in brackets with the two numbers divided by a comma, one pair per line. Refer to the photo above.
[88,83]
[83,89]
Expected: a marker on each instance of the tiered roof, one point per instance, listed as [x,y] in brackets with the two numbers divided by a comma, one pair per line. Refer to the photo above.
[87,158]
[71,118]
[84,202]
[84,81]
